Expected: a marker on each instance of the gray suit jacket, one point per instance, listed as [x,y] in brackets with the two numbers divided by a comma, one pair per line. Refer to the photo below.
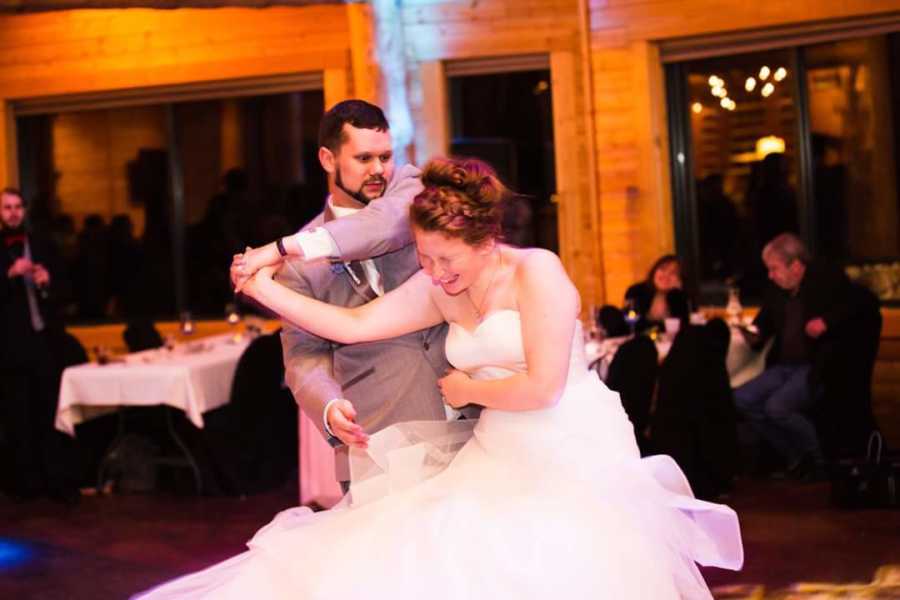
[388,382]
[385,221]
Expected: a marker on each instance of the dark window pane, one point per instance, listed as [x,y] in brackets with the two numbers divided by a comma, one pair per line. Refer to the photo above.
[853,95]
[98,181]
[742,125]
[507,120]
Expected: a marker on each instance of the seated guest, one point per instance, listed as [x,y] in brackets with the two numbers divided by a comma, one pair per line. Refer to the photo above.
[660,295]
[806,305]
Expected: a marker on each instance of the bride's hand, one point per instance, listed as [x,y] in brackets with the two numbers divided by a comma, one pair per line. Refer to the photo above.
[251,286]
[247,264]
[453,388]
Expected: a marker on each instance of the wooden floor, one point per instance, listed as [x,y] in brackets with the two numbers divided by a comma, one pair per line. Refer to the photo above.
[112,546]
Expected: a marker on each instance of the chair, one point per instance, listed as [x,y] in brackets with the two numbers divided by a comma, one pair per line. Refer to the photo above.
[695,421]
[632,373]
[251,442]
[612,321]
[843,378]
[141,334]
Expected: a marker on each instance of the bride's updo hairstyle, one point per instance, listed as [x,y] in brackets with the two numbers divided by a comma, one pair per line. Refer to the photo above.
[463,198]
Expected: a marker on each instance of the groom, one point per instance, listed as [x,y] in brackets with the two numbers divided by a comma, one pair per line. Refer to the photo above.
[351,391]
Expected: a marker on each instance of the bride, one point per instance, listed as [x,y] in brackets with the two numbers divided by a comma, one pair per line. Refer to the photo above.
[545,496]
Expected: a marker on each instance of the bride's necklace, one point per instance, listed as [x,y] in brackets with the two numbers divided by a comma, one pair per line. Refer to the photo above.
[479,316]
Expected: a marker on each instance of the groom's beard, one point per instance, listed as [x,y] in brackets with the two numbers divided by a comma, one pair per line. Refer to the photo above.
[359,195]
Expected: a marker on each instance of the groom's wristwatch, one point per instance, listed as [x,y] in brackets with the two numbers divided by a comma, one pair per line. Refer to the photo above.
[279,243]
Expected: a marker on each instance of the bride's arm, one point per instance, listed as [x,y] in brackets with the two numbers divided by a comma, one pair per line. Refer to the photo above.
[548,306]
[405,309]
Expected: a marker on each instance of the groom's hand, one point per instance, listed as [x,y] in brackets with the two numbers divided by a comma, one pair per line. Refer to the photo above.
[342,421]
[245,265]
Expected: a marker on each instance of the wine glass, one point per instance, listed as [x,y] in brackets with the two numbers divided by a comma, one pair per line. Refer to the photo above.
[733,309]
[187,323]
[102,354]
[631,315]
[233,318]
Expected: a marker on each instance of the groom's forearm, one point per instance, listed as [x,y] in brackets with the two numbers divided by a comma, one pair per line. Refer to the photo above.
[383,225]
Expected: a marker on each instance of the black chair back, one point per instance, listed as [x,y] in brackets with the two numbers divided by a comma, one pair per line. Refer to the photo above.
[632,373]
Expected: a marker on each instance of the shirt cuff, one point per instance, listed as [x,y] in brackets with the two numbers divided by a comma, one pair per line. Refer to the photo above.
[325,416]
[316,244]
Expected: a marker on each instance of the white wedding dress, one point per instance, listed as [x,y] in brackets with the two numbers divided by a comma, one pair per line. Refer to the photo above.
[552,503]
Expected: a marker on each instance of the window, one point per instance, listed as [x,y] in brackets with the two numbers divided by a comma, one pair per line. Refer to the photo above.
[100,182]
[801,139]
[506,119]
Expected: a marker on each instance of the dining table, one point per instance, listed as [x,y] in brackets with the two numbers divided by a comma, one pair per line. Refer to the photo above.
[192,377]
[742,362]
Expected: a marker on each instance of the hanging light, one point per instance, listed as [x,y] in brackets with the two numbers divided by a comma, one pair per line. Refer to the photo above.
[727,103]
[719,92]
[750,84]
[697,108]
[769,145]
[715,81]
[780,74]
[764,72]
[767,90]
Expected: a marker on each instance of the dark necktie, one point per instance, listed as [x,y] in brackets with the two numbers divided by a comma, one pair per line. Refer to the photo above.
[360,280]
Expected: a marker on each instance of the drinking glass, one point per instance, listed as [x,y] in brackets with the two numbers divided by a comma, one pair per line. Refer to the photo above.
[233,318]
[631,315]
[187,323]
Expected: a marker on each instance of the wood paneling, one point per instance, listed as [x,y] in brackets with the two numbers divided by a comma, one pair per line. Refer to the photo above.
[44,5]
[630,111]
[9,172]
[337,86]
[433,131]
[81,51]
[444,30]
[364,65]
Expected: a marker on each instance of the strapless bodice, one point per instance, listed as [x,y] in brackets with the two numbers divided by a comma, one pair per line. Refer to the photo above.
[495,349]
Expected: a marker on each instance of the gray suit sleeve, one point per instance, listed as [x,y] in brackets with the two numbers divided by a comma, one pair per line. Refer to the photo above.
[308,359]
[383,226]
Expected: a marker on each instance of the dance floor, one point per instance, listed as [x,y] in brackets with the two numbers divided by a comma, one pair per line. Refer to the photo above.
[112,546]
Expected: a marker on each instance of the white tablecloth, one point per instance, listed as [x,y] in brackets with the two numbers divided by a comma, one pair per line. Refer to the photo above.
[317,481]
[743,363]
[194,377]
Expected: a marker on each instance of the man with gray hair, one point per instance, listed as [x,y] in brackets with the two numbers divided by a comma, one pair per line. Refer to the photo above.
[806,303]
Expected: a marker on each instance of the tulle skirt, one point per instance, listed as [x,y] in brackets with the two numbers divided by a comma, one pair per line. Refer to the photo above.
[554,503]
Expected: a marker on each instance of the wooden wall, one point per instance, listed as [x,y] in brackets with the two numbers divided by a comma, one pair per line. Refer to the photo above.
[630,112]
[437,31]
[65,52]
[608,91]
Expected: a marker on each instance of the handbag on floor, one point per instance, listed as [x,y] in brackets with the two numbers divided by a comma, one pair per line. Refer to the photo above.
[870,482]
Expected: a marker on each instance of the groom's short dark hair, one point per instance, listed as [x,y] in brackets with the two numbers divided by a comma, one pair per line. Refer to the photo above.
[357,113]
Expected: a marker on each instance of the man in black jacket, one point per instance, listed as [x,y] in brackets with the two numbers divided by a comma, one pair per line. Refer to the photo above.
[29,373]
[808,302]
